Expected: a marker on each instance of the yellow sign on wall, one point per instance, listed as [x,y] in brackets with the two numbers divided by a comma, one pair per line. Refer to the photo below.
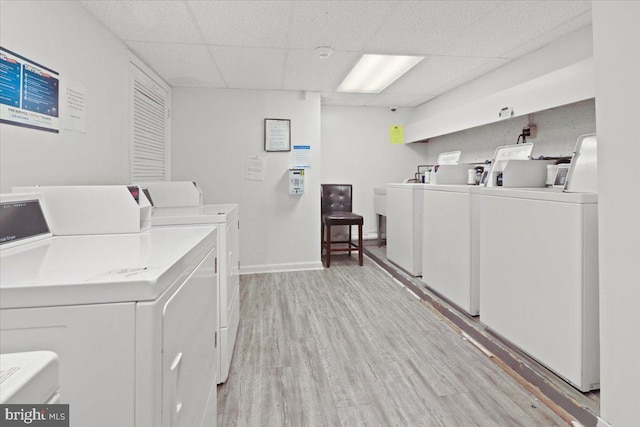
[395,134]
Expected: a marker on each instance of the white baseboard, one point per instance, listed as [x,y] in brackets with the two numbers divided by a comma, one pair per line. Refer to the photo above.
[273,268]
[371,236]
[603,423]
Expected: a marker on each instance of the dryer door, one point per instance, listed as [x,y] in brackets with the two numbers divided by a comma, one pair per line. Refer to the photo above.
[189,359]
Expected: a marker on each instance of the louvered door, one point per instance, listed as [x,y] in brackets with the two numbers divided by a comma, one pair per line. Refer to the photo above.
[149,129]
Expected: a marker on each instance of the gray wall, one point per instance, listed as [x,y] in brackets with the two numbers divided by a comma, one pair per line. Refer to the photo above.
[558,131]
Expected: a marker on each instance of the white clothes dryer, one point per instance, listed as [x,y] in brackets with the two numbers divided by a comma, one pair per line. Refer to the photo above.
[227,219]
[132,317]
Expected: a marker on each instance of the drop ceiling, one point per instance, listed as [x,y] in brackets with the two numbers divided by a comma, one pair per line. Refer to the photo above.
[269,45]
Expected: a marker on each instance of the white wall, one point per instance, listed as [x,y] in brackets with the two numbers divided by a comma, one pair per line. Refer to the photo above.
[616,35]
[63,36]
[558,130]
[356,150]
[557,74]
[214,132]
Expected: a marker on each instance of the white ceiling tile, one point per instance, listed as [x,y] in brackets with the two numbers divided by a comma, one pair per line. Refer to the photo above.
[471,75]
[153,21]
[250,68]
[180,64]
[306,71]
[514,23]
[392,100]
[243,23]
[428,27]
[421,100]
[350,99]
[342,25]
[435,72]
[248,44]
[577,23]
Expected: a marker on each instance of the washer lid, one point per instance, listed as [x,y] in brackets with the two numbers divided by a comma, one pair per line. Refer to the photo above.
[70,270]
[408,185]
[206,214]
[31,377]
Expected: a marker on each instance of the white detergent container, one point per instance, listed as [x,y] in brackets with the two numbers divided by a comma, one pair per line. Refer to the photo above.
[93,209]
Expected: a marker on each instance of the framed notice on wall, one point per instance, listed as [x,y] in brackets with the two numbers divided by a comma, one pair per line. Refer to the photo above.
[277,135]
[29,93]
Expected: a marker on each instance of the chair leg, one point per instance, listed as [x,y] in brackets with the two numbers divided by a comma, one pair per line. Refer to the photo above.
[349,240]
[360,244]
[321,239]
[328,246]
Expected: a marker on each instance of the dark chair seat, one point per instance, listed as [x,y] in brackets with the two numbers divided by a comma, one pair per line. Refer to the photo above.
[342,218]
[336,210]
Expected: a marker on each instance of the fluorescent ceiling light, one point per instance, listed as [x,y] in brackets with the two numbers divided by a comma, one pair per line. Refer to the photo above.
[373,73]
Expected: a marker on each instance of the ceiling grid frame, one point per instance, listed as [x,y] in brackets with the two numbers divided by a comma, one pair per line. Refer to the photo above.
[253,45]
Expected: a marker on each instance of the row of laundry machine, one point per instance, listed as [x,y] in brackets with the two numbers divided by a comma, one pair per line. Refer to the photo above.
[520,254]
[134,303]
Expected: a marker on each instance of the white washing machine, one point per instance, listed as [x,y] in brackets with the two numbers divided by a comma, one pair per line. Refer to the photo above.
[404,226]
[31,377]
[450,251]
[227,219]
[132,317]
[180,203]
[539,276]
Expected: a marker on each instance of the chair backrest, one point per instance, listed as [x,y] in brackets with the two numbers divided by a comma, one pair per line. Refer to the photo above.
[336,198]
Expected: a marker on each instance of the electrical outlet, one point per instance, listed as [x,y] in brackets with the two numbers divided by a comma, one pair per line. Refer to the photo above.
[530,131]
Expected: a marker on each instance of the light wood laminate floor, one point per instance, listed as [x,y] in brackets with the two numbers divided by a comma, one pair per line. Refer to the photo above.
[348,346]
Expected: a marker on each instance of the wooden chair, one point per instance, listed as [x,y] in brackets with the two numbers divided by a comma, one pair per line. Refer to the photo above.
[336,209]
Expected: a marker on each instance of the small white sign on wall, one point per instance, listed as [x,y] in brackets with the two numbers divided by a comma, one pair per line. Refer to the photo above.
[73,113]
[255,168]
[301,156]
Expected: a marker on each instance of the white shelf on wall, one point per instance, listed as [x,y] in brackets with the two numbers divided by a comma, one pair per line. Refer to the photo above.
[565,86]
[559,74]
